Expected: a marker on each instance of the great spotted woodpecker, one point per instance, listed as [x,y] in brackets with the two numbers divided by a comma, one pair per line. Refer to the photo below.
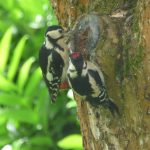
[87,80]
[53,60]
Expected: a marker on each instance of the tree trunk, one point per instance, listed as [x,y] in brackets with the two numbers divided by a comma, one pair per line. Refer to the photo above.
[123,54]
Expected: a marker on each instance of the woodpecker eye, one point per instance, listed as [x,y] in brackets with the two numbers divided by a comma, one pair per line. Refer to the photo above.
[47,35]
[60,31]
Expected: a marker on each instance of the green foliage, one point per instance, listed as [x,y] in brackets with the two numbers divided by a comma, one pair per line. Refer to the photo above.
[4,48]
[73,142]
[27,17]
[16,54]
[27,119]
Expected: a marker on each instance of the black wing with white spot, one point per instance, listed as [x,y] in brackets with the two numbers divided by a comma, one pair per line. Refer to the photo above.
[55,70]
[53,87]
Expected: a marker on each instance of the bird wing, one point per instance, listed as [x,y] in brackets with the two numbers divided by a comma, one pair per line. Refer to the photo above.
[43,58]
[53,87]
[96,77]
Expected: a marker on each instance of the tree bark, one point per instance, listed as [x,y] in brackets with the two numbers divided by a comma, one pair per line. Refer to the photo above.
[123,54]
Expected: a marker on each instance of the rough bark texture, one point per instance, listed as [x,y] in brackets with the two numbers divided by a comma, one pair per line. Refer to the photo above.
[123,54]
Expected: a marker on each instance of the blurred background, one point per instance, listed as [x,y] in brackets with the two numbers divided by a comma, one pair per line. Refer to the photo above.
[28,121]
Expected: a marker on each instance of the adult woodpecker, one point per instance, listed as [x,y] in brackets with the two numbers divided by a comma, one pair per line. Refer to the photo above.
[53,60]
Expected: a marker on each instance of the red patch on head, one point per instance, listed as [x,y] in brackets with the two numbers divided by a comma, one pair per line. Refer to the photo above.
[64,85]
[75,55]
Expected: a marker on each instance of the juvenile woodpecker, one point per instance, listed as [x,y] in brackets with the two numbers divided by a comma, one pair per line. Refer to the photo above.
[53,60]
[87,81]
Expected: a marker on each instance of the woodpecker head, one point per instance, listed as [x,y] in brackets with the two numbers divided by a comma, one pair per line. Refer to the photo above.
[77,62]
[54,33]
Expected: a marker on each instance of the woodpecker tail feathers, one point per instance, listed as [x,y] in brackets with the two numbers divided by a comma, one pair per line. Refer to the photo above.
[108,103]
[53,92]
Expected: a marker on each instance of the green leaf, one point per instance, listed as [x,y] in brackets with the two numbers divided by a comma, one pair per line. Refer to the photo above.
[40,140]
[21,115]
[4,141]
[16,57]
[24,73]
[12,99]
[26,144]
[71,104]
[9,5]
[42,108]
[26,6]
[18,143]
[6,85]
[5,48]
[73,141]
[33,82]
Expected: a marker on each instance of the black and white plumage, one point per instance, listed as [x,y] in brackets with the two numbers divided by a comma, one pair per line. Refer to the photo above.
[53,59]
[87,81]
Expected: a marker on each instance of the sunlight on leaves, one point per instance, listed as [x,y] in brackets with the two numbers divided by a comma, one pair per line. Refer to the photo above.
[7,147]
[25,115]
[40,140]
[7,85]
[12,99]
[5,48]
[16,57]
[33,82]
[24,73]
[18,144]
[70,94]
[72,102]
[73,141]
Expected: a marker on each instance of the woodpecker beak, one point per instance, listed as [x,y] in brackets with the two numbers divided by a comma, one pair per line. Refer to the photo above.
[68,35]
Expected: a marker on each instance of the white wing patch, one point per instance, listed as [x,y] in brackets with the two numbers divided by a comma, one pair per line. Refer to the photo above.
[95,87]
[93,66]
[49,75]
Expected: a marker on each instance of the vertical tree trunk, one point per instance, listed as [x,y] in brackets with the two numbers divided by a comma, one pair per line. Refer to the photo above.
[123,54]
